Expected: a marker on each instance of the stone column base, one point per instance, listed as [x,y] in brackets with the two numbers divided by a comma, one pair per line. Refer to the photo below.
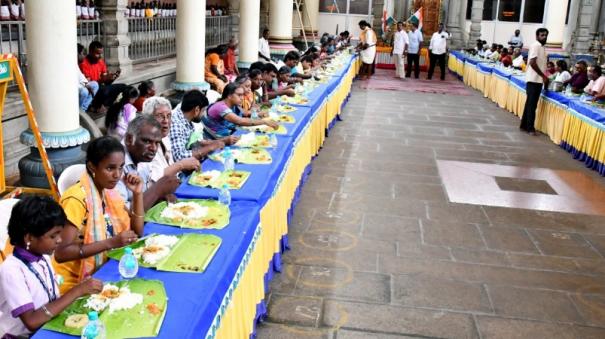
[32,172]
[187,86]
[64,149]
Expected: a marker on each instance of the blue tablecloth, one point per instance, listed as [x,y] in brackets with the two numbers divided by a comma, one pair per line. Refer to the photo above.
[502,73]
[259,185]
[519,81]
[594,113]
[485,67]
[194,299]
[559,97]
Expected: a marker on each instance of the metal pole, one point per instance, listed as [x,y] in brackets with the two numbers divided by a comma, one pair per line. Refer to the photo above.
[370,13]
[347,15]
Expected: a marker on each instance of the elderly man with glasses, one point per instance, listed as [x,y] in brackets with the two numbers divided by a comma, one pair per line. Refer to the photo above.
[163,164]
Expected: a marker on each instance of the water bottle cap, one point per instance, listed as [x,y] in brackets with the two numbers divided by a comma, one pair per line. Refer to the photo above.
[128,250]
[92,316]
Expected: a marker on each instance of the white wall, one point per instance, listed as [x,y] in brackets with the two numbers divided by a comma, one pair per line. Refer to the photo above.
[500,32]
[328,23]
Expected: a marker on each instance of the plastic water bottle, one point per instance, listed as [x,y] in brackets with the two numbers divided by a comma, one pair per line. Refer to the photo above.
[95,328]
[254,113]
[273,140]
[229,160]
[224,195]
[129,266]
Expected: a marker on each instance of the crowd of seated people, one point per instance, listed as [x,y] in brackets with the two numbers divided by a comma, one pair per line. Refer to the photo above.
[140,161]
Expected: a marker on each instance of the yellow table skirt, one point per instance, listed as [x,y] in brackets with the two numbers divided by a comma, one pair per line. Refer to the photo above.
[237,320]
[452,64]
[487,84]
[500,91]
[480,80]
[470,75]
[550,119]
[582,133]
[515,102]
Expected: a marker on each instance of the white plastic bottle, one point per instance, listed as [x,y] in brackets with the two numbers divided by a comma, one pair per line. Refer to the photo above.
[95,328]
[224,195]
[229,159]
[273,140]
[129,266]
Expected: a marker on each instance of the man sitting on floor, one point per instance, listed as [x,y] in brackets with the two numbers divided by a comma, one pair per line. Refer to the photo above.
[94,69]
[87,89]
[215,68]
[141,142]
[182,130]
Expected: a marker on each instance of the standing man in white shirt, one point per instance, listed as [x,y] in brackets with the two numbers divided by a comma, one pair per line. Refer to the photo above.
[516,41]
[264,51]
[415,39]
[400,50]
[534,78]
[437,51]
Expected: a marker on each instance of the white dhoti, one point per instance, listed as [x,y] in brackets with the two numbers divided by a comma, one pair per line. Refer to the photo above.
[399,61]
[368,55]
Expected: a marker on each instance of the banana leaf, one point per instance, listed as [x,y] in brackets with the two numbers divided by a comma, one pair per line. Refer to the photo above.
[217,218]
[286,108]
[143,320]
[266,129]
[234,179]
[259,141]
[192,253]
[250,156]
[286,119]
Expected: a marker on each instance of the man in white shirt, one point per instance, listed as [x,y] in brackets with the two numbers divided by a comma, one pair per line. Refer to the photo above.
[535,78]
[437,50]
[415,40]
[264,51]
[516,40]
[400,50]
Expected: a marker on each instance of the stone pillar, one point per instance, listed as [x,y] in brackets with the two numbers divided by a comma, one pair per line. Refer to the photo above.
[51,31]
[115,28]
[280,26]
[190,45]
[234,8]
[476,19]
[555,22]
[249,13]
[454,26]
[310,16]
[462,18]
[584,25]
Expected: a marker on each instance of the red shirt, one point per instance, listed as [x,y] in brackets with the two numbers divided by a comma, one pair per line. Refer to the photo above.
[506,60]
[93,71]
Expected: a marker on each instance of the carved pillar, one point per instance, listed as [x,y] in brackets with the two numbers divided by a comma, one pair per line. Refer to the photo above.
[476,18]
[115,28]
[454,25]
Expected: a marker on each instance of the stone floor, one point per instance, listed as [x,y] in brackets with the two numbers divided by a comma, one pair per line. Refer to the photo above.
[379,250]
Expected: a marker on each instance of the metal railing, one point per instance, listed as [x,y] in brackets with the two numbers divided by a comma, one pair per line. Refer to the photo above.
[151,38]
[155,38]
[13,39]
[218,30]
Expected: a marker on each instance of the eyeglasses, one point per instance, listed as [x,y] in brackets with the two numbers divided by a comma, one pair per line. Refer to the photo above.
[163,117]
